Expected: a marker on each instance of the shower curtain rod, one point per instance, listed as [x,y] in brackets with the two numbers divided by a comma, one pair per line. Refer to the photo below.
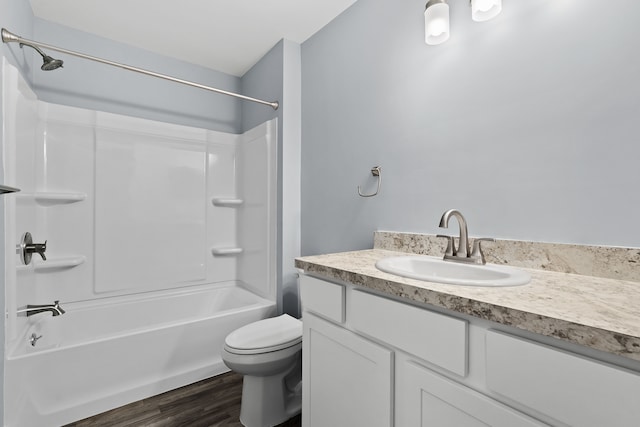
[8,37]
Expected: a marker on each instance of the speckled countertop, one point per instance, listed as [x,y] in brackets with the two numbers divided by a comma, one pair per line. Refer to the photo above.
[601,313]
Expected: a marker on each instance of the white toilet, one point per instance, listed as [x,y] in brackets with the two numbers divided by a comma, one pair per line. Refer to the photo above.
[269,355]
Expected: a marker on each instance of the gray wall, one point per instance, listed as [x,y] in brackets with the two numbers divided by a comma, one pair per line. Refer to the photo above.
[263,81]
[16,16]
[87,84]
[277,77]
[527,123]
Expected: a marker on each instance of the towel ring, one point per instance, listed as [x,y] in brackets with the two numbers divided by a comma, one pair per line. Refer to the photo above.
[375,171]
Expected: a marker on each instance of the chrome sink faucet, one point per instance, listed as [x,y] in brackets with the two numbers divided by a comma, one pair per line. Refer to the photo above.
[463,243]
[32,309]
[461,253]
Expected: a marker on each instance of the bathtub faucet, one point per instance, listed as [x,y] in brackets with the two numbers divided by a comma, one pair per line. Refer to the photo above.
[32,309]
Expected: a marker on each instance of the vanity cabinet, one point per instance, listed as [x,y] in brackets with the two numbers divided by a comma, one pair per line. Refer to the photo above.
[369,360]
[347,379]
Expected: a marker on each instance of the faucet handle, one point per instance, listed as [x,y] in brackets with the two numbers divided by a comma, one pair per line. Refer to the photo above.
[450,245]
[40,249]
[27,248]
[477,249]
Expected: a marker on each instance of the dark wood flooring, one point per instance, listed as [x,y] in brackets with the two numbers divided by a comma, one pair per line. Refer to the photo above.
[214,402]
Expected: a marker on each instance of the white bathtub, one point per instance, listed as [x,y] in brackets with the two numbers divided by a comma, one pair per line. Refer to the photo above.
[101,355]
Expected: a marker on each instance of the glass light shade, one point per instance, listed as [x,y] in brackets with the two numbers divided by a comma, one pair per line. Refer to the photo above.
[483,10]
[436,24]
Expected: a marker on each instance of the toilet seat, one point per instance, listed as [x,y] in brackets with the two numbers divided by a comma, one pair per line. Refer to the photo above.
[265,336]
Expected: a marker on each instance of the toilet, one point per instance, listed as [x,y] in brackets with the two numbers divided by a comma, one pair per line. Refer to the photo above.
[268,353]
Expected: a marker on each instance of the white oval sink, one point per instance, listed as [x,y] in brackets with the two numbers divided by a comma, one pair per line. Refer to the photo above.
[433,269]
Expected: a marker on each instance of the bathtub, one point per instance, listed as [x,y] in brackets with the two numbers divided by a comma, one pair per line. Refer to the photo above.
[101,355]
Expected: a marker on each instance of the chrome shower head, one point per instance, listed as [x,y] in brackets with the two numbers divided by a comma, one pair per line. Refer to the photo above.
[49,63]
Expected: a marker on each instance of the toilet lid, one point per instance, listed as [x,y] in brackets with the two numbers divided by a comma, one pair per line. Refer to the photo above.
[266,335]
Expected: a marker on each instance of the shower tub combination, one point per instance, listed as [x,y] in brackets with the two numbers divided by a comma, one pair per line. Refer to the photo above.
[101,355]
[160,243]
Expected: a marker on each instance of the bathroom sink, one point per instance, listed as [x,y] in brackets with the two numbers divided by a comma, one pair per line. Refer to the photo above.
[433,269]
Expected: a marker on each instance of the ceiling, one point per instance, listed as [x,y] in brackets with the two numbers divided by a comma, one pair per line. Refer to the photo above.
[224,35]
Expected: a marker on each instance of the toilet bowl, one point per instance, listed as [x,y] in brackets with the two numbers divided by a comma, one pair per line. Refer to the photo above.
[268,353]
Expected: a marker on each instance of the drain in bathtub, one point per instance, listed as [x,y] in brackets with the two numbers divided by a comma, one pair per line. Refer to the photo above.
[34,338]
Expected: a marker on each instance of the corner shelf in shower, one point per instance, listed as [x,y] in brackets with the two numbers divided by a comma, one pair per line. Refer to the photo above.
[53,263]
[227,202]
[46,198]
[226,251]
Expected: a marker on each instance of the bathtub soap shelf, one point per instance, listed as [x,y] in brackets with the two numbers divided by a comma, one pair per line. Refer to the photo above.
[226,251]
[53,263]
[218,201]
[49,199]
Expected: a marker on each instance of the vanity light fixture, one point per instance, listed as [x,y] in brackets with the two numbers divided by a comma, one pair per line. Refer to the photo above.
[436,17]
[436,22]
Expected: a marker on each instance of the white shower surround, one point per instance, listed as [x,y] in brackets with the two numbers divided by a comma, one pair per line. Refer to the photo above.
[140,217]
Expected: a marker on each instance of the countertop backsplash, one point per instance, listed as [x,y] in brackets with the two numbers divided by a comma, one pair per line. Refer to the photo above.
[598,261]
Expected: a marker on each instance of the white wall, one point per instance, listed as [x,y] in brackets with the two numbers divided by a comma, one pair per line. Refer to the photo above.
[527,123]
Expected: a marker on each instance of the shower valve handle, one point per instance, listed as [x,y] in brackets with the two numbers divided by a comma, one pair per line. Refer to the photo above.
[28,248]
[39,248]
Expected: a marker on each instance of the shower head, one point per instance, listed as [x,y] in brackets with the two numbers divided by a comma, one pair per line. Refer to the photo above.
[49,63]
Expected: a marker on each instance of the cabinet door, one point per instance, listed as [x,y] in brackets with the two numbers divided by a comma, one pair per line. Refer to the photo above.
[346,378]
[572,389]
[427,399]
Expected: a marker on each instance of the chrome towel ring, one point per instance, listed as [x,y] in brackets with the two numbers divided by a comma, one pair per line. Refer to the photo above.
[376,172]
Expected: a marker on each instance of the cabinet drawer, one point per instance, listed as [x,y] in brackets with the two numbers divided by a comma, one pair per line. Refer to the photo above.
[569,388]
[436,338]
[323,298]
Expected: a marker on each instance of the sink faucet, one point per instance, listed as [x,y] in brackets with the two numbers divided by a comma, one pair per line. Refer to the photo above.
[463,242]
[31,309]
[462,252]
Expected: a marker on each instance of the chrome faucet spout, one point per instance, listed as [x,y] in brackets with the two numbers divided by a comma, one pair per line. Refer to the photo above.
[462,251]
[32,309]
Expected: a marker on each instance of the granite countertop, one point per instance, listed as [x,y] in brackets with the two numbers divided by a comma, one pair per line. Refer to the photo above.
[596,312]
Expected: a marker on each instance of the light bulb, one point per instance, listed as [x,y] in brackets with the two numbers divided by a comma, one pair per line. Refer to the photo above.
[437,27]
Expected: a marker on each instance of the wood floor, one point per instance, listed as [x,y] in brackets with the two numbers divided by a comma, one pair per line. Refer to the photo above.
[210,403]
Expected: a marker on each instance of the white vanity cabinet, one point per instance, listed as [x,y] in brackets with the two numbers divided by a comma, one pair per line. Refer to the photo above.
[369,361]
[347,380]
[423,397]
